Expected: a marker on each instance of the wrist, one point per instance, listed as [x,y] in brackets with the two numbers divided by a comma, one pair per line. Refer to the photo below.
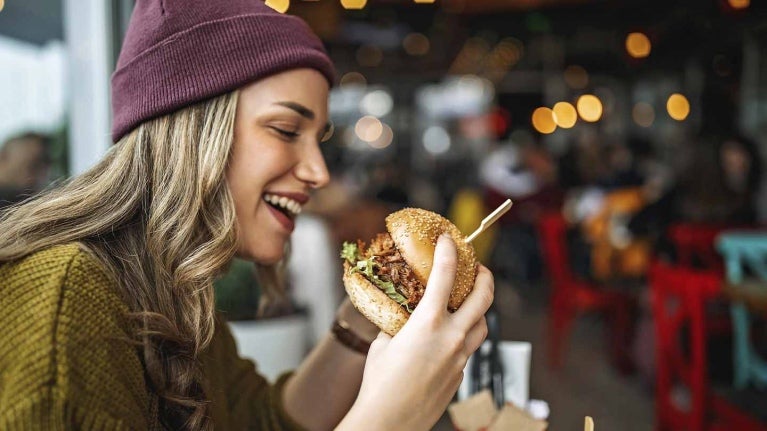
[360,418]
[343,333]
[357,323]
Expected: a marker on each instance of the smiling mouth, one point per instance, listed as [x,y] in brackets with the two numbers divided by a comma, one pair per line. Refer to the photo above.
[285,205]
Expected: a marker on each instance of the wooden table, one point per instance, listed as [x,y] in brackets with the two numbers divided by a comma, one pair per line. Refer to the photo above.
[751,292]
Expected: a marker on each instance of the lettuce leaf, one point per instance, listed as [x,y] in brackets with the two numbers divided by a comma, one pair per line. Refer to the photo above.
[350,252]
[367,267]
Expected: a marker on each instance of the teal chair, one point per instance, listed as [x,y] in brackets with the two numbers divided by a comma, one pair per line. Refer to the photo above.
[745,251]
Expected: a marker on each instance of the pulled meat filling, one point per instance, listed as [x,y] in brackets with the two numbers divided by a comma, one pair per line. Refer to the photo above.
[392,267]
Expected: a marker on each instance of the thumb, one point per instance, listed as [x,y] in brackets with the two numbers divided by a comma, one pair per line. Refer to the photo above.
[381,341]
[442,276]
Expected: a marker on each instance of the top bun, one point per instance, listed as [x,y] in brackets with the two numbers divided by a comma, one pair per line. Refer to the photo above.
[415,232]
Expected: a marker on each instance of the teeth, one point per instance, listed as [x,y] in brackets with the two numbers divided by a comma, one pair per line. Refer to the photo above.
[284,202]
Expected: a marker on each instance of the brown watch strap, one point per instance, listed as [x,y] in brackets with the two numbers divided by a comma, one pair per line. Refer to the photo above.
[343,333]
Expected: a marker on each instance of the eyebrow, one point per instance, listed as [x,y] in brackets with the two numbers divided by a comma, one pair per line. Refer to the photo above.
[304,112]
[301,109]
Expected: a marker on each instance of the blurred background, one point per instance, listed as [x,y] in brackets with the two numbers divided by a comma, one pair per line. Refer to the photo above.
[631,136]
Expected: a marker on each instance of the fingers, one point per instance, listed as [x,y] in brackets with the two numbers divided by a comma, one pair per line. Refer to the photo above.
[479,300]
[476,336]
[442,277]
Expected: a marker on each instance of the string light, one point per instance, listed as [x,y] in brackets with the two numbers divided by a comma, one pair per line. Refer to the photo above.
[544,120]
[678,107]
[739,4]
[565,115]
[638,45]
[280,6]
[353,4]
[589,108]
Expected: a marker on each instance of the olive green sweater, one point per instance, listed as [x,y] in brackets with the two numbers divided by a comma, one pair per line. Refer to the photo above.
[64,363]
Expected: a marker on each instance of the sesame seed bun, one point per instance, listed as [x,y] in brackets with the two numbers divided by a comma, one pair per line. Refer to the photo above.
[373,303]
[415,233]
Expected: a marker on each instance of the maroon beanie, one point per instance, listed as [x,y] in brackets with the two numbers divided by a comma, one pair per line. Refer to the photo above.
[178,52]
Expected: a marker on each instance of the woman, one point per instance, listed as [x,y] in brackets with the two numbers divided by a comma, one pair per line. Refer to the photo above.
[106,282]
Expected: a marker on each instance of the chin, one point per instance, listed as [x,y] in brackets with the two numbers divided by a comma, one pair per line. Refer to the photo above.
[262,256]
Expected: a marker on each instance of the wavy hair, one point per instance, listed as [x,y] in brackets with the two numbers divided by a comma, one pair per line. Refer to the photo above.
[158,214]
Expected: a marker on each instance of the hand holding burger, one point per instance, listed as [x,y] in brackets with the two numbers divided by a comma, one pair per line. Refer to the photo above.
[410,379]
[421,285]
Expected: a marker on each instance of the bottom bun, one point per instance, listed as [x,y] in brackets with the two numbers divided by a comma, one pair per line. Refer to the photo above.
[374,304]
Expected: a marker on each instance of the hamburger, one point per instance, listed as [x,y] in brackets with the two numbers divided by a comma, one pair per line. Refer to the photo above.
[387,279]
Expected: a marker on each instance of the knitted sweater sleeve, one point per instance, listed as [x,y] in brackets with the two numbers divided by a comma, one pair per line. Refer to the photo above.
[246,399]
[64,362]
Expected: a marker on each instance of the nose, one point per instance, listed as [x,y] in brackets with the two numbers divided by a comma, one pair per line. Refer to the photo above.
[312,169]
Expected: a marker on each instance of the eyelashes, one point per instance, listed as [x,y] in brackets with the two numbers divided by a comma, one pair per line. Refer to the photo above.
[285,133]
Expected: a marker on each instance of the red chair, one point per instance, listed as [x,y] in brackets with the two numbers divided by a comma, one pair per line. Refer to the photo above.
[694,245]
[679,297]
[571,295]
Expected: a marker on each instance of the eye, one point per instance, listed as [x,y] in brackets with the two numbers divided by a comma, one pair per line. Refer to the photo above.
[285,133]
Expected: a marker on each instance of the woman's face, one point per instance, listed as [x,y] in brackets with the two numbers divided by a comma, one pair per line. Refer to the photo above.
[276,159]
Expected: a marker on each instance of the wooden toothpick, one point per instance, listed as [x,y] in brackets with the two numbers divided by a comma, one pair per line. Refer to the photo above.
[589,425]
[495,215]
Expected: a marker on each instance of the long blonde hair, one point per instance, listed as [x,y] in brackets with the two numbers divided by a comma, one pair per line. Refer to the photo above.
[157,212]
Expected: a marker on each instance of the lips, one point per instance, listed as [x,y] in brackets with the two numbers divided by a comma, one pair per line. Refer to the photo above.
[285,206]
[283,203]
[282,218]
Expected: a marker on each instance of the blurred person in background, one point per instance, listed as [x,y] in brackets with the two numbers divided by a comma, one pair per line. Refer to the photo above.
[106,281]
[627,180]
[24,166]
[725,196]
[526,174]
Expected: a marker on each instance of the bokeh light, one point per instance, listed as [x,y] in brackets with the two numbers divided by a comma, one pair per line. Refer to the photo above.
[576,77]
[678,107]
[416,44]
[369,56]
[739,4]
[353,4]
[280,6]
[2,5]
[589,108]
[424,1]
[377,103]
[353,78]
[368,128]
[543,120]
[638,45]
[643,114]
[565,115]
[386,138]
[436,140]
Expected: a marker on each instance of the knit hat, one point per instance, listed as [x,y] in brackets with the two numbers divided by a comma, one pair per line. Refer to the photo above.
[179,52]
